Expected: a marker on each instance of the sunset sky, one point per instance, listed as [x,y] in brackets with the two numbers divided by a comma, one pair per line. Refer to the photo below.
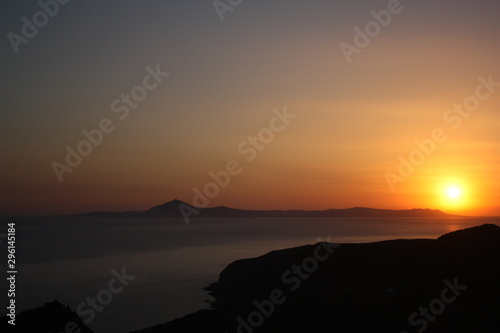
[352,121]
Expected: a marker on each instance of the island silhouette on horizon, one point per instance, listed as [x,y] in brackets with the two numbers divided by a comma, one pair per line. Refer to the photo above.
[174,209]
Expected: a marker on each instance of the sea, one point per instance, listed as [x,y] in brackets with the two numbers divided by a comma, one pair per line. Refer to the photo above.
[164,264]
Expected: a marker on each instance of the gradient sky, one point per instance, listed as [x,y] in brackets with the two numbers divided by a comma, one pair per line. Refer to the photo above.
[352,123]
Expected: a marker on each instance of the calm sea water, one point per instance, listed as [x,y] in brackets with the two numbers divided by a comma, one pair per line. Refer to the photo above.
[70,259]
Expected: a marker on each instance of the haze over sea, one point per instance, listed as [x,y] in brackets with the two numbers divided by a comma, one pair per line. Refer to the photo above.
[71,258]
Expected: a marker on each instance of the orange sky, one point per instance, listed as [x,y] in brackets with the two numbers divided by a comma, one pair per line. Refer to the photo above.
[352,122]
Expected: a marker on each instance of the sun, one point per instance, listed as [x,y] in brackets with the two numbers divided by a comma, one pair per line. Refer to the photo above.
[454,192]
[454,195]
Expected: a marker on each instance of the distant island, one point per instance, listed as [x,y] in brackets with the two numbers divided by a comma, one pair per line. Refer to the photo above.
[172,209]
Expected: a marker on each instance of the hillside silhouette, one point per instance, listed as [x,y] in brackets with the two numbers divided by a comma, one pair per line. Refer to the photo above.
[372,287]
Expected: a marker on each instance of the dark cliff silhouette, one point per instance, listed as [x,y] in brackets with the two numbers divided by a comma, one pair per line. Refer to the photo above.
[52,317]
[171,209]
[374,287]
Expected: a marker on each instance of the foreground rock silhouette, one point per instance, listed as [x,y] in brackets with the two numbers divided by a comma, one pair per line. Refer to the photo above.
[52,317]
[451,284]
